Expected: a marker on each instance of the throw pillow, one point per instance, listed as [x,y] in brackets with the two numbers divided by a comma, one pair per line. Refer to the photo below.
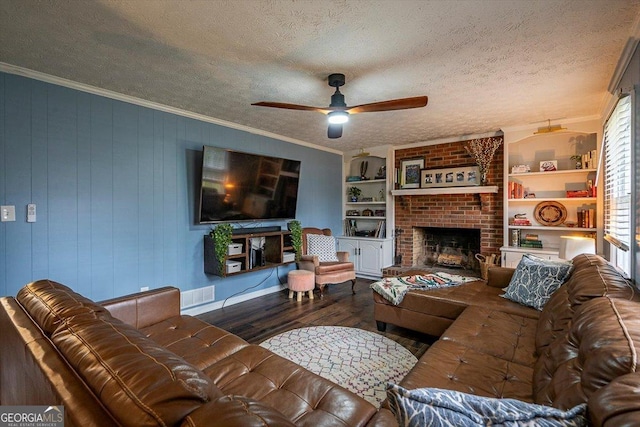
[322,246]
[536,279]
[439,407]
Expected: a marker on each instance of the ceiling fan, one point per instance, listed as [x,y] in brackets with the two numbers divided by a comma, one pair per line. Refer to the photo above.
[338,113]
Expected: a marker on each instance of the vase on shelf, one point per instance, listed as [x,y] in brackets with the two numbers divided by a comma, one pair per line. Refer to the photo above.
[483,176]
[482,151]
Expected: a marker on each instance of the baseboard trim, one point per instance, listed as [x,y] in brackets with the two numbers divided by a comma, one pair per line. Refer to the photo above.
[194,311]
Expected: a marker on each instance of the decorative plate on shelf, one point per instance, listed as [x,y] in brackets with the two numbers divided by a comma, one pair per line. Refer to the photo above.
[550,213]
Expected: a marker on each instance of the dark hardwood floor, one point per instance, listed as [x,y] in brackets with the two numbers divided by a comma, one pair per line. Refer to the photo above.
[261,318]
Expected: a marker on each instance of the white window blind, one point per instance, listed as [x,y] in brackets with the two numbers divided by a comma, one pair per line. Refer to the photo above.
[617,177]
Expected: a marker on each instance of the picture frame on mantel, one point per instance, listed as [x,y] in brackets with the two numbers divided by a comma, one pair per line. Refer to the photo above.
[450,177]
[410,173]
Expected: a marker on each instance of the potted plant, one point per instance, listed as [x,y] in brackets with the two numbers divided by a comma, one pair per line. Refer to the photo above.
[296,237]
[354,193]
[221,236]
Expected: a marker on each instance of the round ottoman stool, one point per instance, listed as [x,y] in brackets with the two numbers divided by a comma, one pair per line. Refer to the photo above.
[301,281]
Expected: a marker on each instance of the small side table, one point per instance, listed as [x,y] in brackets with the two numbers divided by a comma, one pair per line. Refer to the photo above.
[301,281]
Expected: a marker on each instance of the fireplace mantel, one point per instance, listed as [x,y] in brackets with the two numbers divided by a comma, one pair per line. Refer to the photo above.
[478,189]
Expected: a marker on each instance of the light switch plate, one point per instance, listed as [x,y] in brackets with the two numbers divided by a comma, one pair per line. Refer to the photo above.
[31,212]
[7,213]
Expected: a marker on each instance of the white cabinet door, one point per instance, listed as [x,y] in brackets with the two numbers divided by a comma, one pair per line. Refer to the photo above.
[370,254]
[511,258]
[351,246]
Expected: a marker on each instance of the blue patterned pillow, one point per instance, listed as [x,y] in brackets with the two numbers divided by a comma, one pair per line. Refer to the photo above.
[536,279]
[438,407]
[322,246]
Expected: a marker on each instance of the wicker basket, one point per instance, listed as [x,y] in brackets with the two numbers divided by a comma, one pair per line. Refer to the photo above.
[485,263]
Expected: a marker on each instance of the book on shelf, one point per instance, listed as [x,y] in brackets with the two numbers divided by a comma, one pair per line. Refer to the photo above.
[350,227]
[587,218]
[531,241]
[520,221]
[516,190]
[578,193]
[589,160]
[591,188]
[530,244]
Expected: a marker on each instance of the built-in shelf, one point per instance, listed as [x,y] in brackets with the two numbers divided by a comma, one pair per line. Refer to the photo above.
[377,202]
[366,217]
[366,181]
[551,173]
[446,190]
[550,228]
[521,249]
[554,199]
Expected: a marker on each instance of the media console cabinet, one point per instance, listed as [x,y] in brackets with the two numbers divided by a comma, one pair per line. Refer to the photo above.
[273,246]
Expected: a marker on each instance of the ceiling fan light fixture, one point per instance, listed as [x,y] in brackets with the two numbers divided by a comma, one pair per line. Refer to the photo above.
[338,117]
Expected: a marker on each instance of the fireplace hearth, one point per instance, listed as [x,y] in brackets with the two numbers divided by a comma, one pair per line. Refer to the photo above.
[446,247]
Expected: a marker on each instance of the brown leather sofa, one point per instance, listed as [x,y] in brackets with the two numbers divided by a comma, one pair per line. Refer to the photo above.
[583,347]
[136,361]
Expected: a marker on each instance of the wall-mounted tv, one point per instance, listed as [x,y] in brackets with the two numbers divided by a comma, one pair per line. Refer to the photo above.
[239,186]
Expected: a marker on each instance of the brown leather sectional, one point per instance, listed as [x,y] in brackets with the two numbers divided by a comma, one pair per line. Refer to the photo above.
[583,347]
[136,361]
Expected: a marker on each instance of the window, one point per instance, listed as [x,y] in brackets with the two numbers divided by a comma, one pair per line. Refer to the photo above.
[617,184]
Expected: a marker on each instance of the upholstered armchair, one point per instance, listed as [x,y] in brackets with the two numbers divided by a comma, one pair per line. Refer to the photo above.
[320,256]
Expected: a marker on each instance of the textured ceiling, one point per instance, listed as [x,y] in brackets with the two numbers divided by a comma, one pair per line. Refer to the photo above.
[484,64]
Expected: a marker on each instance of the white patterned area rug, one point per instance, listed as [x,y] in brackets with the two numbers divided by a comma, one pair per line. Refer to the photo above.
[360,361]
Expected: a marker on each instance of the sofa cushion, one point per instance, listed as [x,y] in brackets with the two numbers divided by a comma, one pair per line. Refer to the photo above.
[197,342]
[50,302]
[324,247]
[603,343]
[508,336]
[140,382]
[432,406]
[302,396]
[617,403]
[454,366]
[236,411]
[334,267]
[433,311]
[535,280]
[591,278]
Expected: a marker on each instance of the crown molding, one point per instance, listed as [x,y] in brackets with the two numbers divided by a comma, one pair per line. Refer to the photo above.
[625,57]
[48,78]
[448,139]
[534,126]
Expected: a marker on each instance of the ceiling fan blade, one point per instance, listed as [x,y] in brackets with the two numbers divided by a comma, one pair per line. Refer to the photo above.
[334,131]
[394,104]
[291,106]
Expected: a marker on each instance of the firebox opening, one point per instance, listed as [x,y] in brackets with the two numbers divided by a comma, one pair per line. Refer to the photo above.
[446,247]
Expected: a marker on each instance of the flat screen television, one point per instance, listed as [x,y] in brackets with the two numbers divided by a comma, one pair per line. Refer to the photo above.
[239,186]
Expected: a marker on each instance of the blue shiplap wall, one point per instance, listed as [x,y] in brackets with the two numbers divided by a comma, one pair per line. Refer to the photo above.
[116,186]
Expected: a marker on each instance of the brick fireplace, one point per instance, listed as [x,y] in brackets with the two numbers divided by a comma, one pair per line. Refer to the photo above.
[482,212]
[446,247]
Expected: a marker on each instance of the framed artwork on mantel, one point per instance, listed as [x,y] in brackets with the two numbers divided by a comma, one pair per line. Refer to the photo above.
[450,177]
[410,173]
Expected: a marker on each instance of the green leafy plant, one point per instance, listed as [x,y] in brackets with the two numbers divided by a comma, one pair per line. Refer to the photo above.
[296,237]
[221,236]
[354,192]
